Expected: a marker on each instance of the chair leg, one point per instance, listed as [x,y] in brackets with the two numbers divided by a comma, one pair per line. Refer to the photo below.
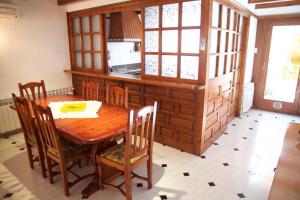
[149,173]
[64,174]
[127,174]
[100,176]
[30,155]
[42,163]
[49,169]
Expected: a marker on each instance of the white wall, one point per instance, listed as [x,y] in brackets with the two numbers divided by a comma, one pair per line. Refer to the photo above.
[34,47]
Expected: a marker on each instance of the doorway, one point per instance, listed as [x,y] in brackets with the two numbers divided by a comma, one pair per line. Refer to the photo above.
[278,88]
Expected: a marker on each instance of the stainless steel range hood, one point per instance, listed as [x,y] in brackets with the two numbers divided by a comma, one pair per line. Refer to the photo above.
[125,27]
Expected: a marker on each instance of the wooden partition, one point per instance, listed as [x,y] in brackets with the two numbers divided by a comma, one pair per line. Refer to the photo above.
[194,107]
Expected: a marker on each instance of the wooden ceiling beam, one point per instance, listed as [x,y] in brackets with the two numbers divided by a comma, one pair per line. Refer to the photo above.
[64,2]
[263,1]
[277,4]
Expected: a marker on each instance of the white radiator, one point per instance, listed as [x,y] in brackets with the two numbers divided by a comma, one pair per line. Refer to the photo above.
[9,121]
[248,95]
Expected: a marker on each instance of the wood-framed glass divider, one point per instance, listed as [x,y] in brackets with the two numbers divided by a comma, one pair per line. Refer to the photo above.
[86,40]
[171,41]
[225,47]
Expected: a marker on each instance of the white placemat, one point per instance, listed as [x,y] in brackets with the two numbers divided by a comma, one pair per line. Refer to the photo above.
[90,111]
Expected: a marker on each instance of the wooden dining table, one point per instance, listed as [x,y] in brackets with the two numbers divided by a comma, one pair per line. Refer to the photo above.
[112,122]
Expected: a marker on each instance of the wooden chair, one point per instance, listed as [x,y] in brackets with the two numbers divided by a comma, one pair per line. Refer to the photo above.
[32,139]
[136,149]
[32,90]
[90,90]
[57,149]
[117,96]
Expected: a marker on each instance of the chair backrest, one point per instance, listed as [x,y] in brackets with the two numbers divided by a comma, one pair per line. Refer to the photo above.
[47,131]
[140,134]
[117,96]
[90,90]
[32,90]
[26,119]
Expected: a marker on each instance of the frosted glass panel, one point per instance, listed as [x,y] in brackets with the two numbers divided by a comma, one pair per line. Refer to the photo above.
[97,60]
[214,41]
[231,26]
[169,66]
[169,41]
[224,17]
[237,64]
[151,64]
[85,25]
[86,42]
[87,60]
[212,67]
[221,64]
[239,43]
[228,66]
[76,26]
[77,43]
[151,41]
[96,42]
[223,42]
[215,17]
[96,23]
[78,61]
[191,12]
[151,17]
[189,67]
[229,42]
[241,24]
[190,41]
[170,15]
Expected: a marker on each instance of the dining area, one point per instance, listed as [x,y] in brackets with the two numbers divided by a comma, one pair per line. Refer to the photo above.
[62,131]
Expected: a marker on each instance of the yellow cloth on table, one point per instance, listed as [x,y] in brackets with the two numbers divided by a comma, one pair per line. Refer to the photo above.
[73,107]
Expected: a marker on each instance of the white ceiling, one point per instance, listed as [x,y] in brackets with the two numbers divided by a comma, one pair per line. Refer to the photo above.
[269,11]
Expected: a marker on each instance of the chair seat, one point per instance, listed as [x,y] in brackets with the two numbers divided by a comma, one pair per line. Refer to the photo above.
[71,149]
[116,154]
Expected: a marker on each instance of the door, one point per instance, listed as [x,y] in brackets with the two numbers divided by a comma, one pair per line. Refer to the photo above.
[279,90]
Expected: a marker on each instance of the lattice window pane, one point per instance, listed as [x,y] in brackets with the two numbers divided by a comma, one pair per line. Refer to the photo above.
[224,17]
[170,41]
[190,40]
[76,25]
[78,61]
[97,60]
[221,64]
[151,64]
[189,67]
[151,41]
[241,24]
[87,42]
[96,23]
[87,60]
[214,41]
[191,13]
[215,17]
[237,64]
[151,17]
[96,42]
[223,42]
[239,42]
[236,76]
[85,24]
[228,66]
[231,27]
[77,43]
[170,15]
[169,66]
[229,42]
[212,66]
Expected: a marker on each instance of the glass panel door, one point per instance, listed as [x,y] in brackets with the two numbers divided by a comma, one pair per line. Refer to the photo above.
[283,64]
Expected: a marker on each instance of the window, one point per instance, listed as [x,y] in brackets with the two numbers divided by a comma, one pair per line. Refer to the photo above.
[172,40]
[86,42]
[226,37]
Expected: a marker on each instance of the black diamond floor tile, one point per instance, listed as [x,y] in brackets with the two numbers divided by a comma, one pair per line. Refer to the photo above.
[241,195]
[202,157]
[226,133]
[236,149]
[7,195]
[233,124]
[13,142]
[245,138]
[186,174]
[225,164]
[139,185]
[163,197]
[211,184]
[251,128]
[164,165]
[21,149]
[215,143]
[255,120]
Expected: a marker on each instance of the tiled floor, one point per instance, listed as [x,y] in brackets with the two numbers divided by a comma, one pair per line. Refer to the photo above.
[240,165]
